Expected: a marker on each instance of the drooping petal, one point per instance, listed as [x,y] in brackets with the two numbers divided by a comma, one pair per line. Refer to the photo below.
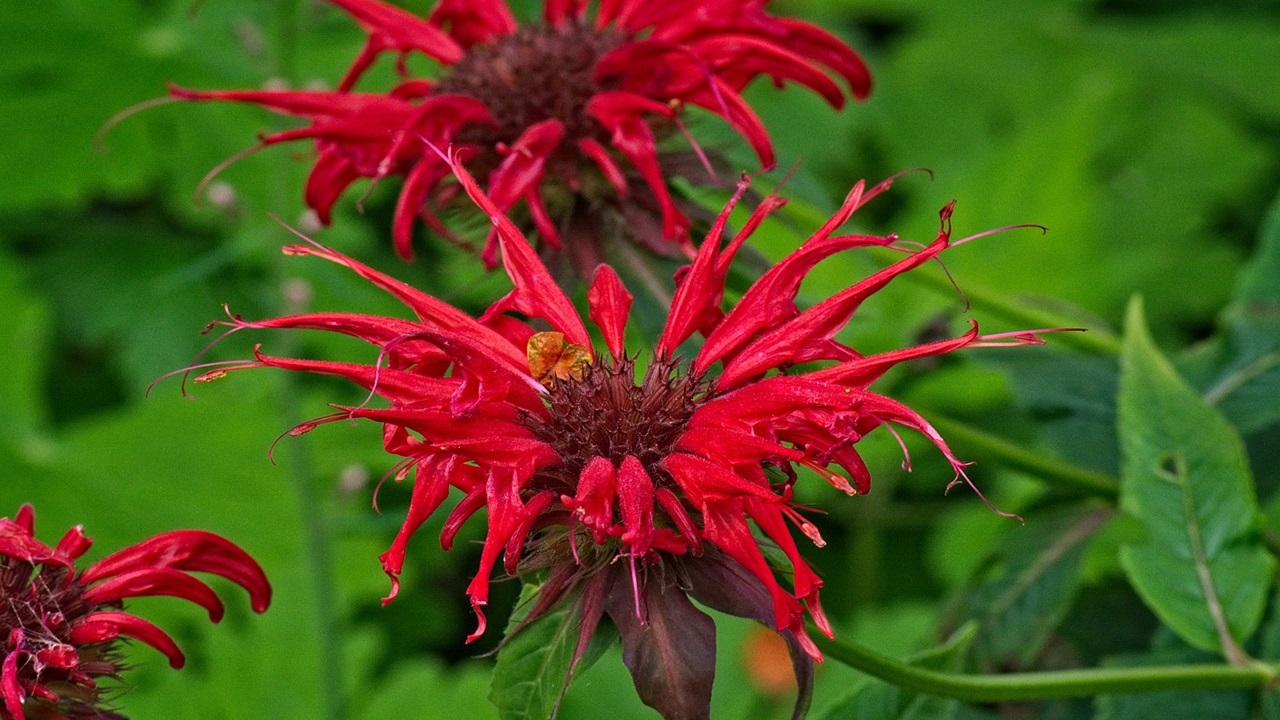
[108,625]
[391,28]
[9,685]
[620,113]
[159,581]
[471,22]
[190,551]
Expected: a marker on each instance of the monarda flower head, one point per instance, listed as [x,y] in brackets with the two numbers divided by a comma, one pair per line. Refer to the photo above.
[565,114]
[631,487]
[59,626]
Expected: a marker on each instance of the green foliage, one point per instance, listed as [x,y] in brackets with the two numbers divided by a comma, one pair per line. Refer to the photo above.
[1201,566]
[532,671]
[1142,133]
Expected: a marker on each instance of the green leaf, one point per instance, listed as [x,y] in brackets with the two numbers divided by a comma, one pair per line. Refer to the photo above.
[1180,705]
[1202,568]
[533,664]
[1260,279]
[1019,605]
[882,701]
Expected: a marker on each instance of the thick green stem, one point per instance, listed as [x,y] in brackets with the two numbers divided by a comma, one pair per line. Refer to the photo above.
[1051,684]
[1013,456]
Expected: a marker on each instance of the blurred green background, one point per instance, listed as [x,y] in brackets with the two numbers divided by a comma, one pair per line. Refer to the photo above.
[1144,134]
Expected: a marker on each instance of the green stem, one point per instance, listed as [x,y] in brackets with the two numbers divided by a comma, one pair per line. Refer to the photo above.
[1013,456]
[1050,684]
[317,555]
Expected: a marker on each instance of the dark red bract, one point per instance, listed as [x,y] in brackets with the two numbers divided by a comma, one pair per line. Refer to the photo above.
[565,115]
[59,626]
[629,489]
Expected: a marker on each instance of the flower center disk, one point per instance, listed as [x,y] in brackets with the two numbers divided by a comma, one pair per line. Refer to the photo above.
[540,72]
[608,414]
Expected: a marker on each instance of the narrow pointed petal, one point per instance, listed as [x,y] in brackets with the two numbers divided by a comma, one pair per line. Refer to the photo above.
[610,304]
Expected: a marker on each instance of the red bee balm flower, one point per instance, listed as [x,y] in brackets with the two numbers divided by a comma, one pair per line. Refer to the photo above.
[582,459]
[565,115]
[59,626]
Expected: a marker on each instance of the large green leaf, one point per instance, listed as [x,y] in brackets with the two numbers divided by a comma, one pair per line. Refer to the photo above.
[1167,649]
[1021,603]
[533,664]
[1201,568]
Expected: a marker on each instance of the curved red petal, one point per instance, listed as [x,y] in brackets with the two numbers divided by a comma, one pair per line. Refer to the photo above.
[103,626]
[156,581]
[189,551]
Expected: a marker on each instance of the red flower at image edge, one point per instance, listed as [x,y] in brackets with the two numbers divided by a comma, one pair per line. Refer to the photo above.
[632,490]
[566,114]
[59,626]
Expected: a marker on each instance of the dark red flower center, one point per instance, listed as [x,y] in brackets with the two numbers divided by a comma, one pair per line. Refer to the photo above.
[540,72]
[44,606]
[608,414]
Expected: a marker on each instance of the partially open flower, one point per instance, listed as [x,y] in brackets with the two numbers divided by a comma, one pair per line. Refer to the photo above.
[566,114]
[632,487]
[59,627]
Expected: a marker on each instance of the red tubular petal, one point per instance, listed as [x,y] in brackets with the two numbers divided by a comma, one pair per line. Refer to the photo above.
[466,507]
[305,103]
[418,184]
[157,581]
[505,514]
[391,28]
[102,626]
[9,685]
[431,311]
[542,219]
[808,336]
[593,503]
[610,303]
[532,512]
[524,164]
[474,21]
[536,292]
[430,488]
[619,112]
[329,178]
[612,172]
[189,551]
[16,542]
[770,301]
[676,511]
[750,56]
[861,372]
[812,41]
[26,518]
[700,289]
[73,544]
[635,496]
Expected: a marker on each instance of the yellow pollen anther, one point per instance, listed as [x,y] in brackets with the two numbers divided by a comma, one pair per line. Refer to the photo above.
[551,358]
